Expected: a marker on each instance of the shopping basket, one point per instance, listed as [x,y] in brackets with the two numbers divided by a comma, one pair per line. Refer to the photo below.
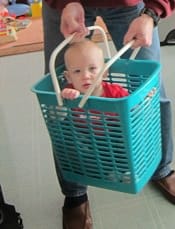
[117,147]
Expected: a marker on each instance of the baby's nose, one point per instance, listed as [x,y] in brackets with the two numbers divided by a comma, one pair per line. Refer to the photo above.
[86,74]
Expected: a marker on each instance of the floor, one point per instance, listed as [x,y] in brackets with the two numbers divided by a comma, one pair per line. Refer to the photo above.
[27,172]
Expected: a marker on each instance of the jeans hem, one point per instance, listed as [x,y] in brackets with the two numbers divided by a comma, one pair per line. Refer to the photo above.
[161,174]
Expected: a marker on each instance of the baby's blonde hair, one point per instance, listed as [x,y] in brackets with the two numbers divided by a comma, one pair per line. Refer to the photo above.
[80,46]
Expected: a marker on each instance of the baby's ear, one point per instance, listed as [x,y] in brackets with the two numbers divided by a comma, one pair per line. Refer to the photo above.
[105,76]
[66,75]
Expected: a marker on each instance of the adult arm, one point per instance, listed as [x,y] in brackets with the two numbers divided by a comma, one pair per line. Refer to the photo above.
[163,8]
[140,29]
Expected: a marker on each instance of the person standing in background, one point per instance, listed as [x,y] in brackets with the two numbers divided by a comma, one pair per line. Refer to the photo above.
[125,20]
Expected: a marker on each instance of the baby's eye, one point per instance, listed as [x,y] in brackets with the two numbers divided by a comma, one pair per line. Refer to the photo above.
[93,68]
[76,71]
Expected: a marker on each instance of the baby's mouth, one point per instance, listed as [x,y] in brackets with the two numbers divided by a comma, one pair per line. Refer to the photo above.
[86,85]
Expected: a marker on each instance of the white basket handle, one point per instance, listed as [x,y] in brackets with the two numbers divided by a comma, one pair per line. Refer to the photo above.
[105,68]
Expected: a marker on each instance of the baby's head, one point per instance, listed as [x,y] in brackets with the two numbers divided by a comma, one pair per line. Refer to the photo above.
[83,61]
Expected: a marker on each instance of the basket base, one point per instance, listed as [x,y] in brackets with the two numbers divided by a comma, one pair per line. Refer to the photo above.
[133,186]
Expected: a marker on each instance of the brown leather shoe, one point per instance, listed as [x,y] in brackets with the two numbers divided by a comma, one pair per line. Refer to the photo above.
[167,186]
[78,217]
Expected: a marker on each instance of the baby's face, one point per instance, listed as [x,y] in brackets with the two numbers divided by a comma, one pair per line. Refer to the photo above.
[84,66]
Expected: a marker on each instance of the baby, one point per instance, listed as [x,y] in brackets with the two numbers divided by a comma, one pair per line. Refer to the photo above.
[84,60]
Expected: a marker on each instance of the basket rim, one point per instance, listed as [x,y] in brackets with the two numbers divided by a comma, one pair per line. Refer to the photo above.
[137,91]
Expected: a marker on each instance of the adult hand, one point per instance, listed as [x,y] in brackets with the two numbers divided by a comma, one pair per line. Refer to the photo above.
[141,30]
[73,20]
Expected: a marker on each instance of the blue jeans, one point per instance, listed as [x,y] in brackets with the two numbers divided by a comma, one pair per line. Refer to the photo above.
[117,21]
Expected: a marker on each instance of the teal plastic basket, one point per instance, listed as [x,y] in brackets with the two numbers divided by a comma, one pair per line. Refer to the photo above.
[112,143]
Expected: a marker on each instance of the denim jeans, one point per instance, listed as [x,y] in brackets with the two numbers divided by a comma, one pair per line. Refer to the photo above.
[117,21]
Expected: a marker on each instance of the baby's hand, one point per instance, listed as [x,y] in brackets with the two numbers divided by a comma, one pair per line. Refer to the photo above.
[68,93]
